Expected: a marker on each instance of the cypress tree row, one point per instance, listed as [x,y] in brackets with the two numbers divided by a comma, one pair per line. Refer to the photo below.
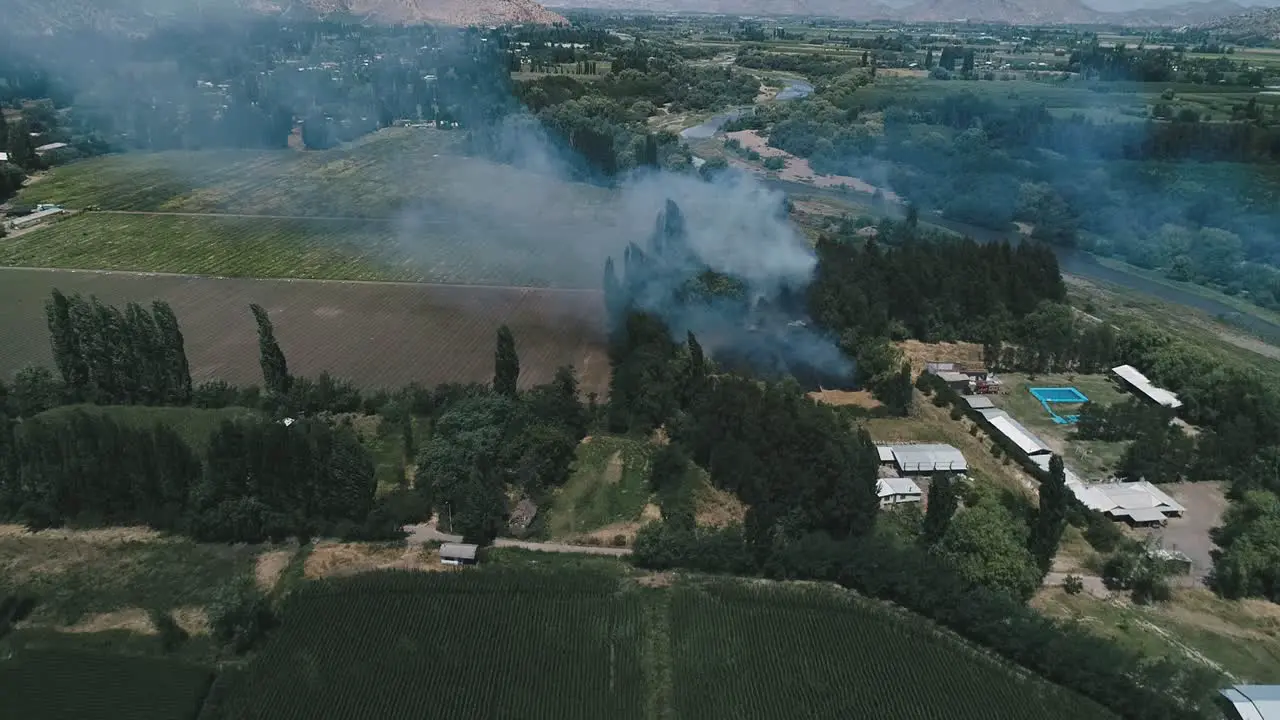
[275,371]
[107,356]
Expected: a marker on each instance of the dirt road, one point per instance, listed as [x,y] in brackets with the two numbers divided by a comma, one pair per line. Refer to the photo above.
[427,532]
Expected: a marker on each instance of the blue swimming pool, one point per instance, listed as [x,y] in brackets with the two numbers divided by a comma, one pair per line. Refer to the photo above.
[1059,395]
[1048,395]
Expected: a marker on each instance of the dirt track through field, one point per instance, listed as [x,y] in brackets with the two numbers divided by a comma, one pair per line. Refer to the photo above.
[392,283]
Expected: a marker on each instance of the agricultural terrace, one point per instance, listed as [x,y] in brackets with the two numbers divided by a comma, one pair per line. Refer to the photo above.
[52,684]
[375,335]
[592,645]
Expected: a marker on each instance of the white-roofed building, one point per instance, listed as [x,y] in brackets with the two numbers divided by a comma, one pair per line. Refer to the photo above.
[928,458]
[1253,702]
[1140,384]
[897,490]
[978,402]
[885,452]
[1014,432]
[1138,503]
[4,157]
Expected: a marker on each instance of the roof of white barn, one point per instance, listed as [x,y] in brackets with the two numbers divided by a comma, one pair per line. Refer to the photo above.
[1159,395]
[928,458]
[886,487]
[1255,702]
[1016,433]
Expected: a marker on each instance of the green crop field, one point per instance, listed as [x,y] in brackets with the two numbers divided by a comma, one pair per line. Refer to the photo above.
[502,642]
[740,651]
[450,645]
[99,687]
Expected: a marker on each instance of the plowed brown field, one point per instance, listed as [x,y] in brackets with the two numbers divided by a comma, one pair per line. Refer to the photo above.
[373,334]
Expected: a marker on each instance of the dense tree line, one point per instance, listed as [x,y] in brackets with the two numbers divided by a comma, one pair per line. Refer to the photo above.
[931,291]
[1144,191]
[107,356]
[258,479]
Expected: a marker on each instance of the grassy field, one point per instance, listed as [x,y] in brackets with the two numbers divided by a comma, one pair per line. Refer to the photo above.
[1091,458]
[592,645]
[100,687]
[98,579]
[374,176]
[610,484]
[399,204]
[1242,638]
[282,248]
[430,334]
[195,425]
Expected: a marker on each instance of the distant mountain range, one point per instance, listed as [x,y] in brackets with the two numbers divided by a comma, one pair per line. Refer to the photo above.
[1261,22]
[1026,12]
[41,16]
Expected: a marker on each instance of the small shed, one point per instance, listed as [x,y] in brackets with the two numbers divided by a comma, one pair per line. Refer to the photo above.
[886,453]
[898,490]
[458,553]
[978,402]
[957,381]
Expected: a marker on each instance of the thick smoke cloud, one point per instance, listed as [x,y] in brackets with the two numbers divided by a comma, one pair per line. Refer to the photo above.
[538,215]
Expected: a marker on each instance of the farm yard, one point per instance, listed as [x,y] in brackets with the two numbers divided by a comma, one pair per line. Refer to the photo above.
[374,335]
[577,643]
[1092,458]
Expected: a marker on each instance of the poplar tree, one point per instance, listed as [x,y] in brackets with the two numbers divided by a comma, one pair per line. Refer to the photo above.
[65,345]
[944,498]
[275,371]
[171,354]
[1051,518]
[506,364]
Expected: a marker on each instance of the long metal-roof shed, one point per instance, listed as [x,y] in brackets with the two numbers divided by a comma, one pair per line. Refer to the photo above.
[927,458]
[978,402]
[1140,383]
[1254,702]
[1023,438]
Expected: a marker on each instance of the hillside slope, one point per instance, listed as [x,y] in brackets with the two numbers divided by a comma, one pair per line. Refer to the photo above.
[1262,22]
